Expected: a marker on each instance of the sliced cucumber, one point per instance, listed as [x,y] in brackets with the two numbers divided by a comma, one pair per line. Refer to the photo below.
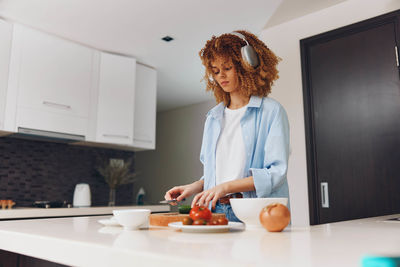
[184,209]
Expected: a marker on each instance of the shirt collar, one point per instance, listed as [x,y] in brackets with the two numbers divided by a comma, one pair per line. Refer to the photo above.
[255,101]
[218,110]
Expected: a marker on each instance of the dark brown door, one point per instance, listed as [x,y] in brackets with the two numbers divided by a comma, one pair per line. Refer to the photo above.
[352,102]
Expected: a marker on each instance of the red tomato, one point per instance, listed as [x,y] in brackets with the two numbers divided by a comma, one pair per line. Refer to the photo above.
[187,221]
[223,221]
[213,222]
[200,212]
[199,222]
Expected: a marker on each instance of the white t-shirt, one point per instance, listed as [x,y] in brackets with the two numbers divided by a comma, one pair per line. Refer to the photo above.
[230,151]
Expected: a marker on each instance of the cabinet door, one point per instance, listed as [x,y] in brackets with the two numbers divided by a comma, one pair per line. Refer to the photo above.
[50,76]
[115,113]
[5,50]
[145,107]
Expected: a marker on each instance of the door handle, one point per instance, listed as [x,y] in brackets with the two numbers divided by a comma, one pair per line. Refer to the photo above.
[324,195]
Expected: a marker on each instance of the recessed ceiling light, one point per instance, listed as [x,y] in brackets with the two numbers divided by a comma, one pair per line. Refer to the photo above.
[167,38]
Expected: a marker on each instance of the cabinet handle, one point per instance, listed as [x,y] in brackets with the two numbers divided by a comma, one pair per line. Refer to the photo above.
[324,195]
[47,103]
[116,136]
[142,140]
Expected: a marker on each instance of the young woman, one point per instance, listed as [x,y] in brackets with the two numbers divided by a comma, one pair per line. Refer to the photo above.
[246,136]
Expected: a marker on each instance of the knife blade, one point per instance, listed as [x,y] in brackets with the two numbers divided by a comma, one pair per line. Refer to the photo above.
[170,201]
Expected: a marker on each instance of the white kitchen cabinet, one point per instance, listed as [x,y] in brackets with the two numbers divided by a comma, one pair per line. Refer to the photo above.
[57,86]
[126,108]
[116,98]
[5,51]
[145,107]
[50,83]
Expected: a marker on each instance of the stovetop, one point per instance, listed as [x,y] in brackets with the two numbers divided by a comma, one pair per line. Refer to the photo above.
[51,204]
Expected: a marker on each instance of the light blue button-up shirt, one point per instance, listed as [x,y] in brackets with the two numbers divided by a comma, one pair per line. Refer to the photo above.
[265,131]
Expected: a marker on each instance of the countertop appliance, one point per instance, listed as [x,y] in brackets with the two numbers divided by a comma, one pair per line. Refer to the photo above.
[82,196]
[51,204]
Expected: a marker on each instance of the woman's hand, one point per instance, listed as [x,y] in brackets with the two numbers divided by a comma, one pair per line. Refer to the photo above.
[213,194]
[184,191]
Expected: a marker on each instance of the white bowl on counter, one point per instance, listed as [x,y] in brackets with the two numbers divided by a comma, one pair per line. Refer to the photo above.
[248,209]
[132,219]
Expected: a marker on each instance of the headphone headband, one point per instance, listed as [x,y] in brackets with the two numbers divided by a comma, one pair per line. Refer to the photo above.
[241,36]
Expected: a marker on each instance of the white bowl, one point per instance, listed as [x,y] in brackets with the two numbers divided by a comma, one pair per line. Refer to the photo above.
[131,219]
[248,209]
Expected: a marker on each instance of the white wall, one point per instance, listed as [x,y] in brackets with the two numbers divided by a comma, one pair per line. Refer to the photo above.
[176,158]
[284,40]
[179,132]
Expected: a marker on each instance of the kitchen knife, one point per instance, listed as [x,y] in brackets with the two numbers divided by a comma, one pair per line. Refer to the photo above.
[170,201]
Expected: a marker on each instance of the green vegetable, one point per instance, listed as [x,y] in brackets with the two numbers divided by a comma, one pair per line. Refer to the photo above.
[184,209]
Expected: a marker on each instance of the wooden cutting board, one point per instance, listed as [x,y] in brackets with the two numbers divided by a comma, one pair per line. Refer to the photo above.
[163,219]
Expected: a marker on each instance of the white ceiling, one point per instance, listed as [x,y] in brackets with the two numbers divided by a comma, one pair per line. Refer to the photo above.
[135,28]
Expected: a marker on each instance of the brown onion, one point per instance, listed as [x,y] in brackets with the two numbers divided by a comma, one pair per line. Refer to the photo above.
[275,217]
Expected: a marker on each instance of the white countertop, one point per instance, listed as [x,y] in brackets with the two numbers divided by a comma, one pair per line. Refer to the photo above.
[19,213]
[82,241]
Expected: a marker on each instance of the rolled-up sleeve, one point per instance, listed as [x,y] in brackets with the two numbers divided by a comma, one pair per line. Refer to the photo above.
[203,144]
[276,154]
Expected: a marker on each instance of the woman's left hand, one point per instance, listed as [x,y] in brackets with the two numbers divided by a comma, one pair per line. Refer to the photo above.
[213,194]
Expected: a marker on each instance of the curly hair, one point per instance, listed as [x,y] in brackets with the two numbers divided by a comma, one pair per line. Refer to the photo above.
[253,81]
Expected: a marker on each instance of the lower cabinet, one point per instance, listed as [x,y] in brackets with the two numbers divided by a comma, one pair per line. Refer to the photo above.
[10,259]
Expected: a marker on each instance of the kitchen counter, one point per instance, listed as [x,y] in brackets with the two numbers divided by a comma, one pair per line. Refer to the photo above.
[19,213]
[82,241]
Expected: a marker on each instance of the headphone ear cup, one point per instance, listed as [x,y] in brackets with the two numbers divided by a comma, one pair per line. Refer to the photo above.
[250,56]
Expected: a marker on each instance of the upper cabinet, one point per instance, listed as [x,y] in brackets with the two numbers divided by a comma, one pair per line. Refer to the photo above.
[53,87]
[50,83]
[116,98]
[145,107]
[126,108]
[5,51]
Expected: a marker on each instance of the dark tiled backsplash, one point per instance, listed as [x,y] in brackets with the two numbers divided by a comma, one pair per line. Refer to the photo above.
[36,170]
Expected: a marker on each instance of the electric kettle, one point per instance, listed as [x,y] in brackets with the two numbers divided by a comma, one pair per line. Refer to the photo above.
[82,196]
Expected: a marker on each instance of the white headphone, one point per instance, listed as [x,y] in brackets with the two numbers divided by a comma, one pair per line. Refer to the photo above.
[249,55]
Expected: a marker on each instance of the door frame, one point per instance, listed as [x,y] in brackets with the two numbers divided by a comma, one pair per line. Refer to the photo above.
[314,192]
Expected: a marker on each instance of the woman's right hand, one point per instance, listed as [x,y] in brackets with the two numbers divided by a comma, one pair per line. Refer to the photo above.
[183,191]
